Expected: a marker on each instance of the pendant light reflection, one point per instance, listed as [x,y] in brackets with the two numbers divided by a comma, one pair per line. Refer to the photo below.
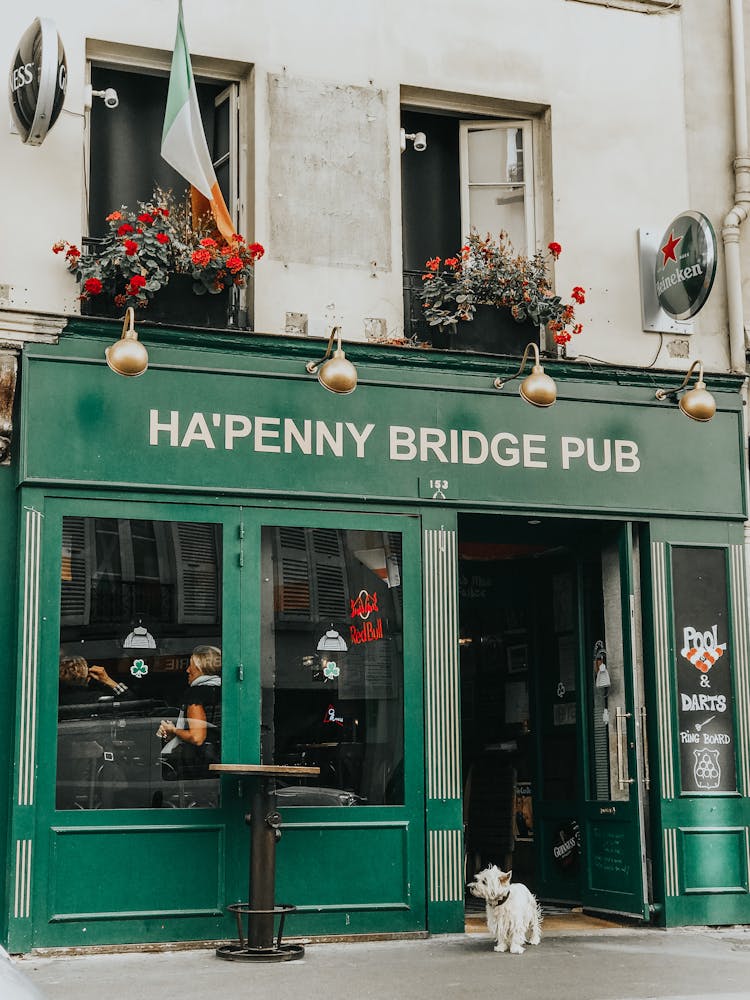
[127,356]
[331,642]
[697,403]
[334,372]
[537,388]
[139,638]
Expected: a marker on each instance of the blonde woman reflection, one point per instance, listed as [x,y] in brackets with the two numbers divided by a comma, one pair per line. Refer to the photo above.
[194,739]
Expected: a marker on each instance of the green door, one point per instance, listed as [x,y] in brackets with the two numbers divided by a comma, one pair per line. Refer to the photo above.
[587,811]
[121,838]
[614,764]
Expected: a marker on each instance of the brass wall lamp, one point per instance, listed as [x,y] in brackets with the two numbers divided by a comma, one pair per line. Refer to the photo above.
[334,372]
[127,356]
[537,388]
[697,403]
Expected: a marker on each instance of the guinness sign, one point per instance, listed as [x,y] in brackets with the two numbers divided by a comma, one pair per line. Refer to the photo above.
[685,265]
[37,82]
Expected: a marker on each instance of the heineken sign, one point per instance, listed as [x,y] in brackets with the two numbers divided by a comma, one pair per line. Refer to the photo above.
[685,265]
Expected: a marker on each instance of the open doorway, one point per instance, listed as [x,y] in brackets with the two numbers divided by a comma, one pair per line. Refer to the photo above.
[549,748]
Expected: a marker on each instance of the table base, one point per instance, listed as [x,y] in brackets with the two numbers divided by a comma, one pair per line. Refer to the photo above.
[277,953]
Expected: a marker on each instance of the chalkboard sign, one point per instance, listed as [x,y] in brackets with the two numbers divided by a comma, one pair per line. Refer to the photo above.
[703,670]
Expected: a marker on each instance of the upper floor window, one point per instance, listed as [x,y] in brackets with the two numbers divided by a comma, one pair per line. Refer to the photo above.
[125,144]
[476,174]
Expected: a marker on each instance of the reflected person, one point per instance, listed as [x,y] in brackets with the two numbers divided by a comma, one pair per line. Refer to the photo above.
[194,739]
[75,688]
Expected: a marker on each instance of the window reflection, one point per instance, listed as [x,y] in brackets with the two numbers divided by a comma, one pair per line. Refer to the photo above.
[139,704]
[332,662]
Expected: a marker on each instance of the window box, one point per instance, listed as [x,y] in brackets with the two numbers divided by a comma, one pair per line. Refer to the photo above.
[177,305]
[491,331]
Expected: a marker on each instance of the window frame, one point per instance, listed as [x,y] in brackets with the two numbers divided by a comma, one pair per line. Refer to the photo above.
[496,124]
[239,80]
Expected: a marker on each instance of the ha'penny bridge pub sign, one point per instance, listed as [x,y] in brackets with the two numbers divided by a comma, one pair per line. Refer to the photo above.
[705,706]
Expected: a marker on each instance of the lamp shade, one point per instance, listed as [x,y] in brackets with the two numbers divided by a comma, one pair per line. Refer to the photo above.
[127,356]
[698,403]
[139,638]
[337,374]
[538,388]
[332,642]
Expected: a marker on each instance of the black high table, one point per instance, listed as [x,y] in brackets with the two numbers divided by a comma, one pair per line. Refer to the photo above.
[265,823]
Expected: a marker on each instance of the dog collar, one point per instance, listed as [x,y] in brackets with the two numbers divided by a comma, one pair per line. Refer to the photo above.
[502,902]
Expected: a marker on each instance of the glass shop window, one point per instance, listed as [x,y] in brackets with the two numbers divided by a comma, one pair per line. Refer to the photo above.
[332,663]
[139,691]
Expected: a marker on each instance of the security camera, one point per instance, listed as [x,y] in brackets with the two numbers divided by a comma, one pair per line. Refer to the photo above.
[418,138]
[109,96]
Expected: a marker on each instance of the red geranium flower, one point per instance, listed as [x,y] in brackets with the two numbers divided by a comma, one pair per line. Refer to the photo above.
[555,249]
[452,262]
[93,286]
[58,247]
[131,247]
[137,281]
[208,242]
[124,229]
[433,264]
[579,294]
[113,217]
[201,257]
[162,238]
[146,217]
[234,264]
[73,252]
[256,251]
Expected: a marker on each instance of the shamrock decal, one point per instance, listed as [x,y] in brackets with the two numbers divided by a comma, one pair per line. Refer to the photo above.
[330,671]
[139,668]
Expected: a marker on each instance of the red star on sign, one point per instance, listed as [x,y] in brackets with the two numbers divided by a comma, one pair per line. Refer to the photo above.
[669,247]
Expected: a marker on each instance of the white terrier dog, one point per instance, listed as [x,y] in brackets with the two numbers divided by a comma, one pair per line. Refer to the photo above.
[513,914]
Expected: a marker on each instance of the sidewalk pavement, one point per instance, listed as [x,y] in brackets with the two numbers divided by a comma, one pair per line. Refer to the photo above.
[612,964]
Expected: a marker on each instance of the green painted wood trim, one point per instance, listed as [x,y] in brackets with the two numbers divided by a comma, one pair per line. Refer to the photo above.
[445,846]
[387,356]
[738,610]
[8,606]
[23,851]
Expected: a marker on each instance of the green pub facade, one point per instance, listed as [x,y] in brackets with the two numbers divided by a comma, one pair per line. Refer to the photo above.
[502,633]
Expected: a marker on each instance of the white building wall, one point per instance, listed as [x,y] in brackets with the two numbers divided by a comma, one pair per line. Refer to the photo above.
[632,145]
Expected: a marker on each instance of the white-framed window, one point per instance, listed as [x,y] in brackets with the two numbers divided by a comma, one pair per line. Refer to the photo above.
[497,180]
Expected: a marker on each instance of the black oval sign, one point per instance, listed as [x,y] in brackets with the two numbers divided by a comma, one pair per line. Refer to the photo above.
[685,265]
[566,845]
[37,81]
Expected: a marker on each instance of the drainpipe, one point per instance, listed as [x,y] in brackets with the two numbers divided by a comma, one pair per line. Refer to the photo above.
[730,232]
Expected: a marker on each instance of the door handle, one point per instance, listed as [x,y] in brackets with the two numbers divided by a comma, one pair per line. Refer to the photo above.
[620,731]
[644,744]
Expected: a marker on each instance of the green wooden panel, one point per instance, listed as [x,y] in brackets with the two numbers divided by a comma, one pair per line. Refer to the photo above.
[714,860]
[324,867]
[612,855]
[173,871]
[272,429]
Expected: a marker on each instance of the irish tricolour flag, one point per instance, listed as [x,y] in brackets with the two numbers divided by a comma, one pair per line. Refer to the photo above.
[183,141]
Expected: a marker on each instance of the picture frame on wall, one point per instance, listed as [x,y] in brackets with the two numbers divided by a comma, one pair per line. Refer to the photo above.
[517,658]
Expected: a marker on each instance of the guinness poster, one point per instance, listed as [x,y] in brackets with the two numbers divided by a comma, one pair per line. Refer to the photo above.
[703,670]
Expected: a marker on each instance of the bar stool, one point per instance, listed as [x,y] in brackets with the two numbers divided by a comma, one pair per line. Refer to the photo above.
[264,822]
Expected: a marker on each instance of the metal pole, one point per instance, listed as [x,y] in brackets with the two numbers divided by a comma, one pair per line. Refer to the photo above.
[264,823]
